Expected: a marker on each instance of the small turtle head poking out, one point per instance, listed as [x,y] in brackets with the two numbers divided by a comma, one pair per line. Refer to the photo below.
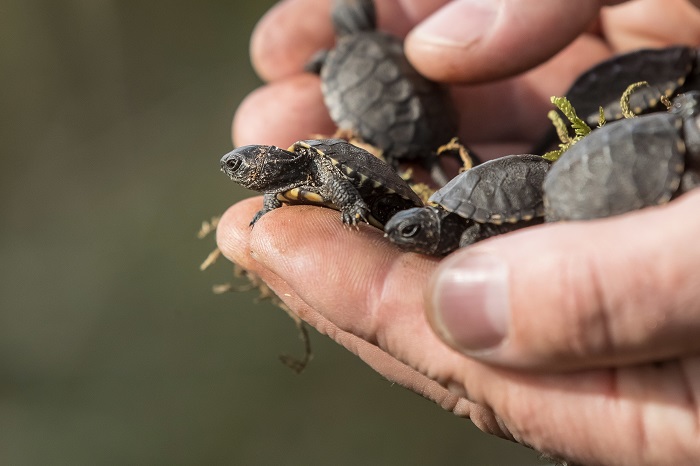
[687,105]
[416,229]
[261,168]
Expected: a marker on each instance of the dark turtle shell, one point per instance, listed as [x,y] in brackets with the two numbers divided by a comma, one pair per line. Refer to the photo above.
[503,190]
[370,88]
[668,71]
[494,198]
[377,183]
[623,166]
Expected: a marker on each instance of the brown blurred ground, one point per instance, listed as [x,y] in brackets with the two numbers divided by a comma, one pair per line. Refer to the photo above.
[112,348]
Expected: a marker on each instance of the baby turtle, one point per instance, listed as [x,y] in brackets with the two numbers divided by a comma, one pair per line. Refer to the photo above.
[668,71]
[495,197]
[372,90]
[326,172]
[628,164]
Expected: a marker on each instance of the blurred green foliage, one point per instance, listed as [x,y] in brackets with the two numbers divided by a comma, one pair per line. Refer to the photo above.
[113,350]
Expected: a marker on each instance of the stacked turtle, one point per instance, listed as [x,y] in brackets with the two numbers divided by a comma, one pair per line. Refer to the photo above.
[495,197]
[372,90]
[625,165]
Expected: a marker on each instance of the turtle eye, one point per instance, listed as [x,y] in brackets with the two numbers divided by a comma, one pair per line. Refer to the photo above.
[233,164]
[410,231]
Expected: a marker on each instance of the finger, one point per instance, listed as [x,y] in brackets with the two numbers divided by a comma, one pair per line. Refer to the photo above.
[288,35]
[282,113]
[651,23]
[515,110]
[357,281]
[291,32]
[482,40]
[577,295]
[234,237]
[647,412]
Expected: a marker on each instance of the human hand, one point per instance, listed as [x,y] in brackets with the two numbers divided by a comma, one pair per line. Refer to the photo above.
[600,362]
[496,118]
[590,308]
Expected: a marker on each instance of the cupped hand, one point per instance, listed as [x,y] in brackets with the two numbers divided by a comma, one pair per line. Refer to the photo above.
[596,357]
[578,339]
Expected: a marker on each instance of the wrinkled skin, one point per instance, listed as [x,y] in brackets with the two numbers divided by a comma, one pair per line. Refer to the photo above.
[601,360]
[264,168]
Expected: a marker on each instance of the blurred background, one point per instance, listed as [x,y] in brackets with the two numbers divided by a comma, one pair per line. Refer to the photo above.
[113,348]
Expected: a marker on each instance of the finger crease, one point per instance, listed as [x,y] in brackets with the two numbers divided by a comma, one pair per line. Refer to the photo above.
[690,394]
[601,313]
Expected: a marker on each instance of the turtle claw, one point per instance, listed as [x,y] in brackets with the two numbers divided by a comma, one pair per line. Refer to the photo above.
[356,213]
[256,217]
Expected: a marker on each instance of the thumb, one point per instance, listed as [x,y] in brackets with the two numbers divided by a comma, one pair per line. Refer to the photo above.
[577,295]
[480,40]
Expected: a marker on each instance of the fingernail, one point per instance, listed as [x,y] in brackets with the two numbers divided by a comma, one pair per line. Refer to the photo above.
[459,23]
[470,303]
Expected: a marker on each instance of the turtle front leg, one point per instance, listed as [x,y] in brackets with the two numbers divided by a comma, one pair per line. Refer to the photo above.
[472,234]
[344,195]
[270,202]
[480,231]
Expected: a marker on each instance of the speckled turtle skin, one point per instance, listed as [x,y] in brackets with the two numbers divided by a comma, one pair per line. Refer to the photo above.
[496,197]
[326,172]
[627,165]
[371,89]
[669,71]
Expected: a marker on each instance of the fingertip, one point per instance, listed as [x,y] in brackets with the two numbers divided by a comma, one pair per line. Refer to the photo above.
[283,236]
[469,304]
[576,295]
[478,40]
[288,35]
[282,113]
[233,230]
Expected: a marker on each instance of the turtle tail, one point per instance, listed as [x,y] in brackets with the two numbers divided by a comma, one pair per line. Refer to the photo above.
[351,16]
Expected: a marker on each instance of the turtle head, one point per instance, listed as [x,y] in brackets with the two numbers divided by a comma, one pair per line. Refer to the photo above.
[352,16]
[417,229]
[261,168]
[687,105]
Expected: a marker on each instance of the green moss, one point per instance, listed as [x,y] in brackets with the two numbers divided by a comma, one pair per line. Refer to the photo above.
[581,129]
